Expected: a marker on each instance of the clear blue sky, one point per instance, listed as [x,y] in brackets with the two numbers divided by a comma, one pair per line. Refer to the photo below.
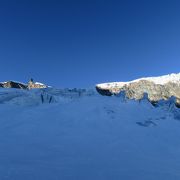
[79,43]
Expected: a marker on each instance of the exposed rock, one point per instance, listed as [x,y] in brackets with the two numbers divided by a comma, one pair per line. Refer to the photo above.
[12,84]
[18,85]
[35,85]
[136,89]
[104,92]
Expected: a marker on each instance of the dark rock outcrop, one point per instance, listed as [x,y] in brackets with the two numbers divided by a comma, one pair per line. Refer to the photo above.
[104,92]
[13,84]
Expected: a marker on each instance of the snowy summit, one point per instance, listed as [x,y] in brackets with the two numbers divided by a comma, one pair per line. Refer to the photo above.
[174,78]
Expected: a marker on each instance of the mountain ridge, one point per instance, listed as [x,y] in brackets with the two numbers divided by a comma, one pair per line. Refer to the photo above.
[157,88]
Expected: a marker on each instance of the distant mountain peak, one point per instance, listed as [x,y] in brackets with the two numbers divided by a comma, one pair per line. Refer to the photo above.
[19,85]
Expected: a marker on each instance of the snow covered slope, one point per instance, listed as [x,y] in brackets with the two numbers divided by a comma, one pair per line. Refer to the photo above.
[174,78]
[81,135]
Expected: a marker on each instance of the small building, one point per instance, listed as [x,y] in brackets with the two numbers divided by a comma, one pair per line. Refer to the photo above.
[34,85]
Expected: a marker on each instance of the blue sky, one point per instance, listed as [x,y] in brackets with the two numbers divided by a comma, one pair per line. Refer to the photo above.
[80,43]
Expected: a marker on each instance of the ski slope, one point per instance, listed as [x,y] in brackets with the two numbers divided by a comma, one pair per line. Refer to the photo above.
[80,135]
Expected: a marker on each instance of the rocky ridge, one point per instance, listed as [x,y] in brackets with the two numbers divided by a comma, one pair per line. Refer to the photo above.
[18,85]
[157,88]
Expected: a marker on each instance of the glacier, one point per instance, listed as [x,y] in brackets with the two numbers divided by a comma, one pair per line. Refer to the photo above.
[54,134]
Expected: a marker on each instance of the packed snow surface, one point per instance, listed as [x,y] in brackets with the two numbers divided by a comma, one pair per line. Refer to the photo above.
[174,78]
[80,135]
